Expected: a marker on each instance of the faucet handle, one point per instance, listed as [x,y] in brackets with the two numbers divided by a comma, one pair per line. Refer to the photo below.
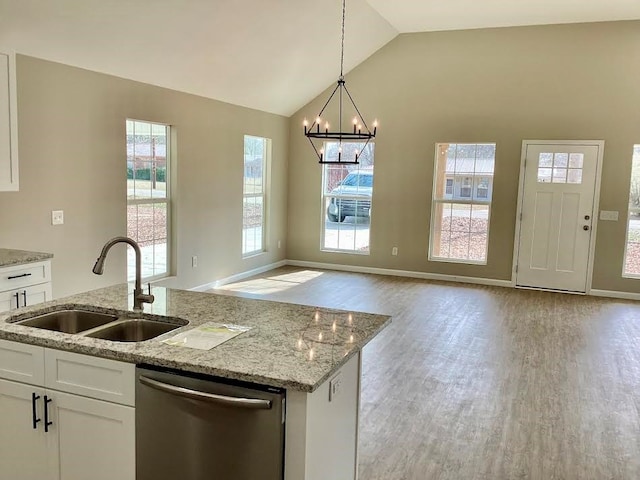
[149,288]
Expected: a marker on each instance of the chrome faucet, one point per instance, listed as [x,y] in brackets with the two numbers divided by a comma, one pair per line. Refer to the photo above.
[138,297]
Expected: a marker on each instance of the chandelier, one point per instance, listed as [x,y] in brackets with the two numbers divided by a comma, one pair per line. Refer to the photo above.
[319,132]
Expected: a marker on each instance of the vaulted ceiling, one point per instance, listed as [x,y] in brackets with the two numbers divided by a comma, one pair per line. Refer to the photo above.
[271,55]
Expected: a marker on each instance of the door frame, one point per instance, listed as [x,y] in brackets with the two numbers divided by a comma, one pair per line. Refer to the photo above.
[595,209]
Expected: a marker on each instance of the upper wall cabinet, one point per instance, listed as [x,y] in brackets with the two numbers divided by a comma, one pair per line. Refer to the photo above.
[8,124]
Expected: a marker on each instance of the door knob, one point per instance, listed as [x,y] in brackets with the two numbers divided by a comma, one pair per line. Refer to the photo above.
[586,227]
[587,217]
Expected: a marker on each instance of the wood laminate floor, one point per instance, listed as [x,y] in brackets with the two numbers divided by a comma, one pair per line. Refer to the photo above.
[473,382]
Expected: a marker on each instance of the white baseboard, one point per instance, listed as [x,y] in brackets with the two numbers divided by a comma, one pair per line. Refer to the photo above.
[402,273]
[615,294]
[239,276]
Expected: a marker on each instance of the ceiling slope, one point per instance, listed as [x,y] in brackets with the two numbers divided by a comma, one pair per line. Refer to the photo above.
[270,55]
[431,15]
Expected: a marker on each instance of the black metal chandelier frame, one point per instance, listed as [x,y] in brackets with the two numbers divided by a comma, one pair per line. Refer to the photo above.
[361,130]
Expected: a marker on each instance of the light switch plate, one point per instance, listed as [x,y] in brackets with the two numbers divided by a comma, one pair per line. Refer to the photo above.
[609,215]
[57,217]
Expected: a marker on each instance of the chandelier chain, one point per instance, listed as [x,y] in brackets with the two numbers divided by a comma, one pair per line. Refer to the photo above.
[344,9]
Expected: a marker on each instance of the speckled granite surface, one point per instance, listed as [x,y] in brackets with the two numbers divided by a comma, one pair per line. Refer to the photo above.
[291,346]
[18,257]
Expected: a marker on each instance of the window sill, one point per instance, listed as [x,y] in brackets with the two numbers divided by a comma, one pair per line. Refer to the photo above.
[457,260]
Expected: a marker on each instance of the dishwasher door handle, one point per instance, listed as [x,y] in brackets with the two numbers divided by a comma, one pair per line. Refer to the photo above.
[253,403]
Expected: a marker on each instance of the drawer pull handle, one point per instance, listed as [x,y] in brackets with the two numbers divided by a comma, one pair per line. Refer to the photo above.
[22,275]
[17,295]
[24,298]
[34,409]
[47,423]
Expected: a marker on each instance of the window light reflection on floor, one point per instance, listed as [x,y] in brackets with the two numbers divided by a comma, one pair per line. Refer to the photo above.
[278,283]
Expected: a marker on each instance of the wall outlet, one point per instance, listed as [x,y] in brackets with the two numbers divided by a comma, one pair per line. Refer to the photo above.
[57,217]
[394,251]
[609,215]
[194,261]
[335,386]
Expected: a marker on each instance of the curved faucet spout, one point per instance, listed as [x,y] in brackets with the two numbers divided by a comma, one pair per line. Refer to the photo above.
[138,297]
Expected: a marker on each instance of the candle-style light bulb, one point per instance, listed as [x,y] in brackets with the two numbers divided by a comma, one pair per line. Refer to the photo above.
[355,122]
[326,127]
[375,127]
[318,120]
[306,124]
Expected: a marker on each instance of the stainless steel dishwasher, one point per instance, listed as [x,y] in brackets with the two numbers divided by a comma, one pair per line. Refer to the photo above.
[193,427]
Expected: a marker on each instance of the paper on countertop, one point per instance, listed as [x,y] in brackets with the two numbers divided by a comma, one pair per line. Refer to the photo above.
[207,335]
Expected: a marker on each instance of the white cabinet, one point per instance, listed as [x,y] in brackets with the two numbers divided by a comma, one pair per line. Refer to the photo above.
[93,439]
[75,437]
[25,285]
[8,124]
[23,449]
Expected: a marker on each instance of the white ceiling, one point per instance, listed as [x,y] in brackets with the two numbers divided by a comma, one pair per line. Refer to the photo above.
[271,55]
[431,15]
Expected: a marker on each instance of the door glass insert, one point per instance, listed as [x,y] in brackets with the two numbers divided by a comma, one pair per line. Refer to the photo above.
[576,160]
[575,175]
[560,168]
[561,160]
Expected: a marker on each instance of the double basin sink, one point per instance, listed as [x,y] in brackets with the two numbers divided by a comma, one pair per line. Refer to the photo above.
[106,326]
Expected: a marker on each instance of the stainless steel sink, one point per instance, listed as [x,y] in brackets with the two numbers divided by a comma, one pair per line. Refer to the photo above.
[69,321]
[133,330]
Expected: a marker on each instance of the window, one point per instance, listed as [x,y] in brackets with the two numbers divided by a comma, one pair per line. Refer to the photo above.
[256,153]
[631,266]
[560,167]
[482,188]
[465,190]
[346,199]
[460,222]
[448,190]
[148,197]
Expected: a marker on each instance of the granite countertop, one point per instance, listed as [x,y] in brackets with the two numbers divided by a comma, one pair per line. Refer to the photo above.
[291,346]
[18,257]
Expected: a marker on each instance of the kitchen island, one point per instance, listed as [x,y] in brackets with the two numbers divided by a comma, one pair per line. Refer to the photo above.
[302,349]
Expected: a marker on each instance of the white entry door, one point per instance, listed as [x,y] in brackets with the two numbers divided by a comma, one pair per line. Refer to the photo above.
[556,216]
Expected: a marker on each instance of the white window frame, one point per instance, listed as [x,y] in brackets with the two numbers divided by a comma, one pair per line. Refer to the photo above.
[448,199]
[631,211]
[167,200]
[323,199]
[262,194]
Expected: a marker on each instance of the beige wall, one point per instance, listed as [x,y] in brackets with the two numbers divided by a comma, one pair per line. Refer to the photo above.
[72,157]
[497,85]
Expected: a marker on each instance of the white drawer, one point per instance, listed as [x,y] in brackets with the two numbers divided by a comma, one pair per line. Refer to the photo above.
[90,376]
[22,362]
[24,275]
[25,296]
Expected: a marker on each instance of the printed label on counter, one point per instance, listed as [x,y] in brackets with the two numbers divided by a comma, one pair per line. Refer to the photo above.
[207,335]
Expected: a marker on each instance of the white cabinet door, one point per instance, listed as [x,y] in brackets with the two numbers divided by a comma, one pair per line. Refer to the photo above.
[95,439]
[23,449]
[8,124]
